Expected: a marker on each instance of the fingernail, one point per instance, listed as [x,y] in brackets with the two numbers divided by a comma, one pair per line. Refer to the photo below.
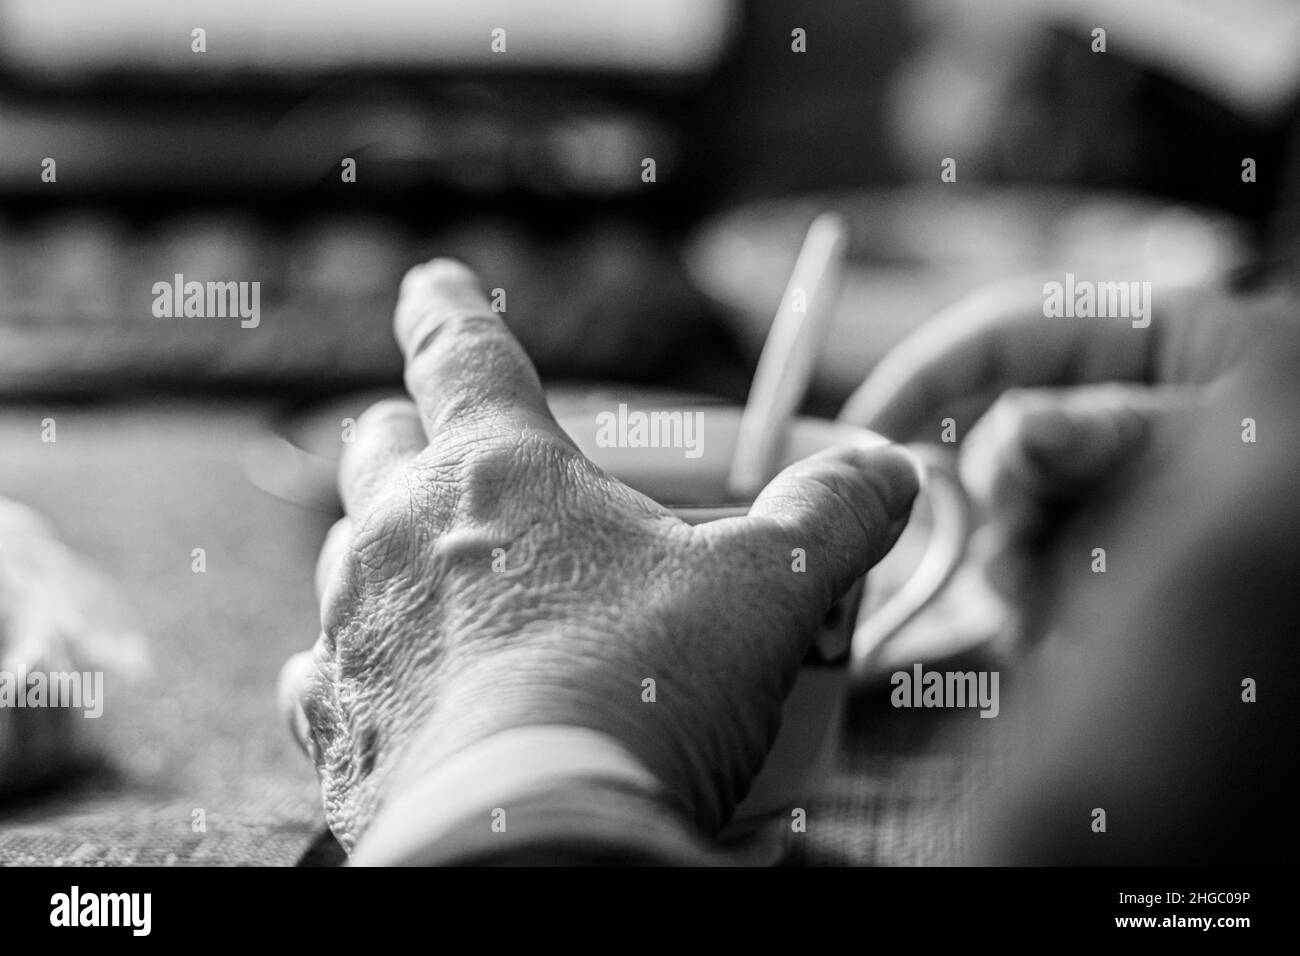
[905,475]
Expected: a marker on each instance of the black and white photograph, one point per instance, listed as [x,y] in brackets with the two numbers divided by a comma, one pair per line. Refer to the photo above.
[768,435]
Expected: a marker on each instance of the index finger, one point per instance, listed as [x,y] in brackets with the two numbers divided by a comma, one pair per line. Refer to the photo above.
[462,363]
[995,339]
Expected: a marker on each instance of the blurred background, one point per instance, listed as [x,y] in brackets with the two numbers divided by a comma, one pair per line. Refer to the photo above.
[528,163]
[227,164]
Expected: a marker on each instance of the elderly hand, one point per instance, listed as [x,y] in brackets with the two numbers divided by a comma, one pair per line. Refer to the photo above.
[426,649]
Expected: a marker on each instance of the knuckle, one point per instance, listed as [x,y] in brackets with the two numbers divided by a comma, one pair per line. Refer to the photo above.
[512,474]
[456,332]
[498,449]
[477,347]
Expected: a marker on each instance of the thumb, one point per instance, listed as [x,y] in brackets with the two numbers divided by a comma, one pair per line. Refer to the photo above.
[845,507]
[1037,451]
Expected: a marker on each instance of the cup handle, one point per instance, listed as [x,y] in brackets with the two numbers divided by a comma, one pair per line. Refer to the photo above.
[943,553]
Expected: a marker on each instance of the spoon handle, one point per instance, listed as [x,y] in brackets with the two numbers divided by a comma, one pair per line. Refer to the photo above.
[786,364]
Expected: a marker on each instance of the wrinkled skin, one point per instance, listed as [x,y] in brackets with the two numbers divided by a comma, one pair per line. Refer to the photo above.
[426,649]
